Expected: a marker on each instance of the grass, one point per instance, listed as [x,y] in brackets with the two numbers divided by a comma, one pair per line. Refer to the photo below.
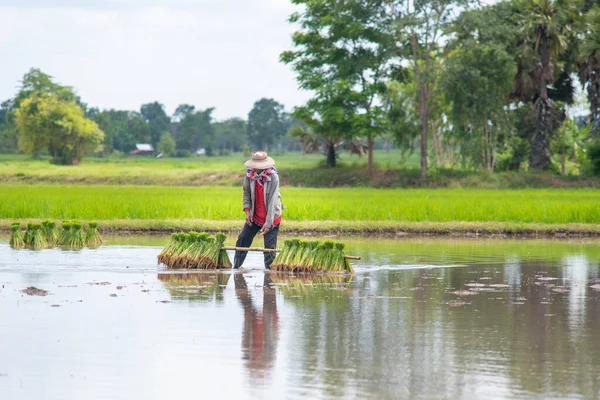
[295,170]
[548,206]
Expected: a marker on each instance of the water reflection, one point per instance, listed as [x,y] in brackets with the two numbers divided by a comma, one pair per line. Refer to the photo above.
[200,286]
[260,334]
[508,322]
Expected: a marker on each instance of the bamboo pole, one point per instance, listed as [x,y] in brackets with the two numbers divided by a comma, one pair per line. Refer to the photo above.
[269,250]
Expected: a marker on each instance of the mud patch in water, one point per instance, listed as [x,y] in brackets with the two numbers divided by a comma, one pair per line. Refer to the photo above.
[33,291]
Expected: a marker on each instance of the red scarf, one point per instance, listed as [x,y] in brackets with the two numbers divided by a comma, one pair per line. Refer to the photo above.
[261,178]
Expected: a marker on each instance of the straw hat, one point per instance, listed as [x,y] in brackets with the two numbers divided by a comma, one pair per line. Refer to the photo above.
[260,160]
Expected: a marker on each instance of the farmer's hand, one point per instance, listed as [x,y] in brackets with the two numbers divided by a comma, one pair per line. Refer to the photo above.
[248,218]
[264,230]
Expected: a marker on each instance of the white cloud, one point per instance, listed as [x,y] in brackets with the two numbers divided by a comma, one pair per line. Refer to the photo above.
[210,54]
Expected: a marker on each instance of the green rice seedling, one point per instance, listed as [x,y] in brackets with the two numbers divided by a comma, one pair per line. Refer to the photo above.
[76,240]
[50,233]
[183,259]
[210,254]
[198,258]
[38,241]
[340,262]
[294,249]
[166,252]
[16,236]
[92,236]
[308,257]
[183,244]
[64,236]
[28,237]
[296,262]
[327,261]
[169,253]
[222,260]
[281,257]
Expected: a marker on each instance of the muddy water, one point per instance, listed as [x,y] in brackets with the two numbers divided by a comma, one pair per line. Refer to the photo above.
[419,319]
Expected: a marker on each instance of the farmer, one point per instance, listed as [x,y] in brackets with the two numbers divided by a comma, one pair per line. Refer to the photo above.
[262,205]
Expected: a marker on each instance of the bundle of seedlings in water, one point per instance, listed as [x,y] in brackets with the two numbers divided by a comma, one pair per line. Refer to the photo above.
[76,239]
[163,257]
[16,236]
[223,261]
[182,244]
[92,236]
[50,233]
[194,257]
[183,258]
[28,237]
[339,261]
[37,241]
[217,258]
[311,256]
[64,237]
[308,257]
[281,258]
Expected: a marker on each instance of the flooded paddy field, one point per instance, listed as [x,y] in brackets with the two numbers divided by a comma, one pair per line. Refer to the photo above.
[422,319]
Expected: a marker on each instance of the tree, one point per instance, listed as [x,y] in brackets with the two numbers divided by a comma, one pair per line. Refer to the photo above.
[420,28]
[196,131]
[122,129]
[8,131]
[47,122]
[589,67]
[343,49]
[266,123]
[182,111]
[158,121]
[478,79]
[166,145]
[546,26]
[566,143]
[230,134]
[35,81]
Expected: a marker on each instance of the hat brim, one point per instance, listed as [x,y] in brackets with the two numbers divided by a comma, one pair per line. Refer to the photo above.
[260,164]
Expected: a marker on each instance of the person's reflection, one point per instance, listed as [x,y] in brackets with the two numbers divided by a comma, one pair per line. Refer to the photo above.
[261,328]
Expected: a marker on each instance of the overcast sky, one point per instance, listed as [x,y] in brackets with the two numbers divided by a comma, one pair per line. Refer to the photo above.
[123,53]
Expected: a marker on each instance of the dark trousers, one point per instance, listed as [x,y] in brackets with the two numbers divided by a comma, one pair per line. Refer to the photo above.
[245,240]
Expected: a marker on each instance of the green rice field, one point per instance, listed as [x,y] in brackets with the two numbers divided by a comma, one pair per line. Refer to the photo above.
[548,206]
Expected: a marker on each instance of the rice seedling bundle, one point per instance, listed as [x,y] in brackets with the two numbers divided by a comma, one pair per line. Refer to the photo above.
[200,259]
[92,236]
[280,259]
[50,233]
[64,237]
[216,257]
[37,241]
[168,250]
[195,251]
[76,240]
[223,258]
[181,246]
[311,256]
[16,236]
[28,237]
[294,249]
[181,259]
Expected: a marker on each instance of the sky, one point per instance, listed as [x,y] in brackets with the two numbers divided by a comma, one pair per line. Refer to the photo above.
[124,53]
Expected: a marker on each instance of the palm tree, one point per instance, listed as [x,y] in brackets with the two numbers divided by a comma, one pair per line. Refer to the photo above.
[546,26]
[589,67]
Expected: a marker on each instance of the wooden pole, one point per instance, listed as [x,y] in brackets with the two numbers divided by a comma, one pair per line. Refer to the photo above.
[269,250]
